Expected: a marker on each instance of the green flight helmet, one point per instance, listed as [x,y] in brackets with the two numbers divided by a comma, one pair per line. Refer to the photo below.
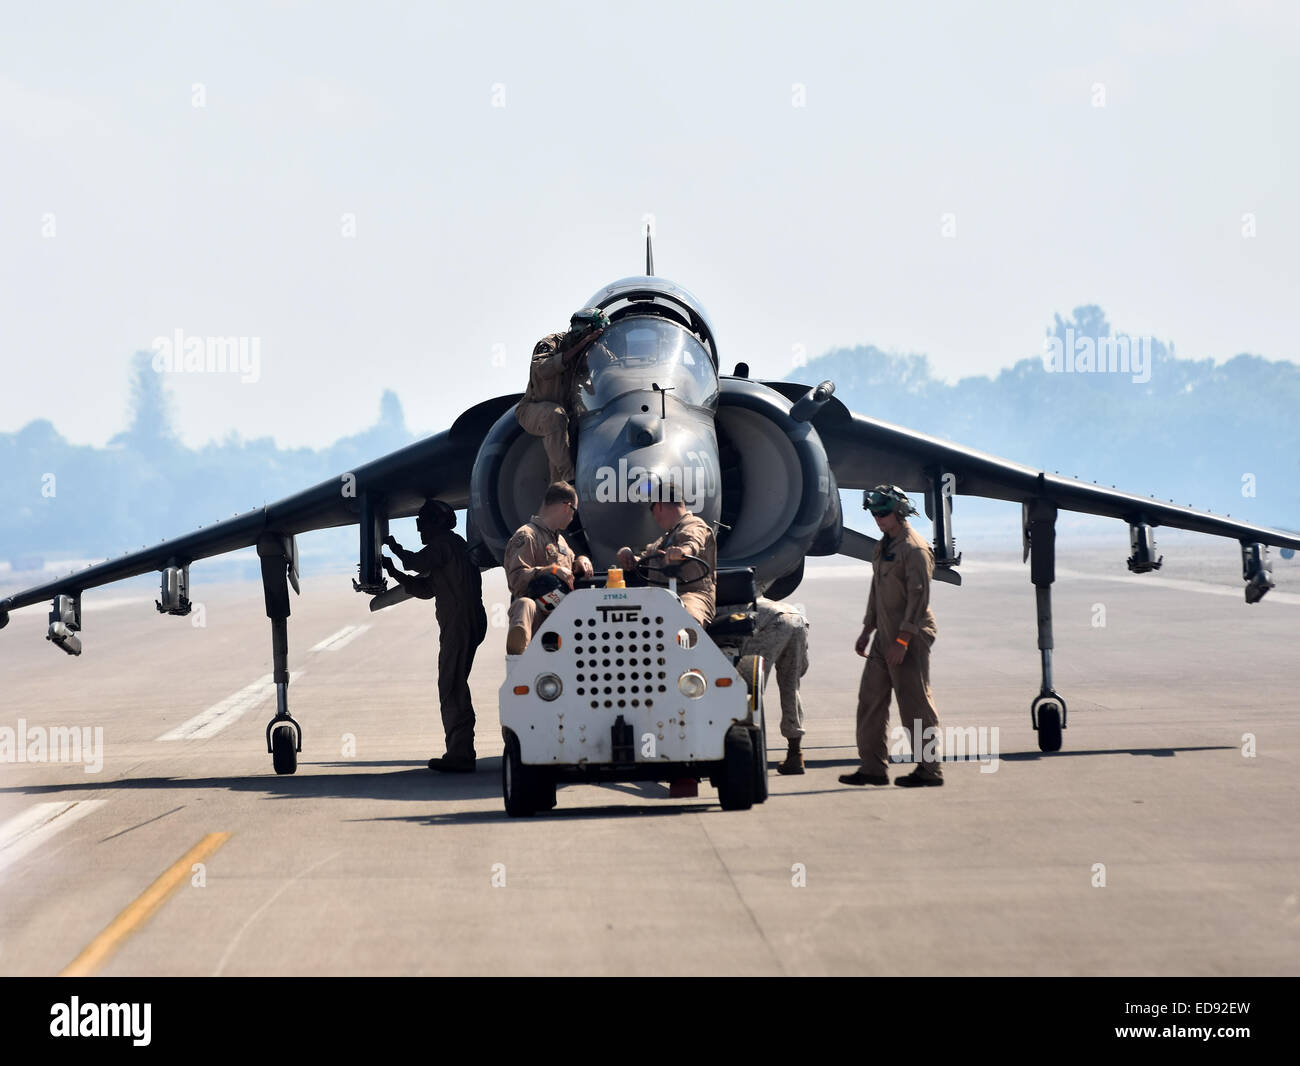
[884,499]
[584,321]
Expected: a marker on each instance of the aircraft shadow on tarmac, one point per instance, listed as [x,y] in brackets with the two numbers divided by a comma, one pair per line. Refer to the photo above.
[1032,756]
[409,781]
[405,781]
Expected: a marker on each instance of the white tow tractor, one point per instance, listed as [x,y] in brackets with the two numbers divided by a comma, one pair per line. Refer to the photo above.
[621,684]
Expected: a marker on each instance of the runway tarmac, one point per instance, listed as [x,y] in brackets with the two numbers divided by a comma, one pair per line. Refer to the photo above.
[1161,840]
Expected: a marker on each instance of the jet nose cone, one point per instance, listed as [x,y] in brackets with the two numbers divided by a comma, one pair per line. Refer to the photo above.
[643,430]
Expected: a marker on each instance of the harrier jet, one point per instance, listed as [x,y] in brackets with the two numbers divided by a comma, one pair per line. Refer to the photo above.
[762,460]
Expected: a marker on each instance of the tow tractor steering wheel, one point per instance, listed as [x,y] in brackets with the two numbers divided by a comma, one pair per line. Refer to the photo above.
[645,567]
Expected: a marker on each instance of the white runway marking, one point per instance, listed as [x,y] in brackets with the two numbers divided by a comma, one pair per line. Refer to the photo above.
[231,709]
[856,571]
[25,832]
[341,639]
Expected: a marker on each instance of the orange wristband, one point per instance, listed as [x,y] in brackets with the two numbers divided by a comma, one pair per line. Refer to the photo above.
[903,642]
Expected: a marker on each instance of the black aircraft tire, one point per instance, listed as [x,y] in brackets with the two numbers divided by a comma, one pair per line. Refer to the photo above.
[1049,727]
[517,787]
[284,753]
[736,780]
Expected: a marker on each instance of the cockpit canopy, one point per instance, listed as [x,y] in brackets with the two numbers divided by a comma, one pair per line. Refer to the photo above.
[639,351]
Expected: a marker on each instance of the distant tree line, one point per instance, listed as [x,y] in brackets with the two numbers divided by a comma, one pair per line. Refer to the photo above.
[1220,437]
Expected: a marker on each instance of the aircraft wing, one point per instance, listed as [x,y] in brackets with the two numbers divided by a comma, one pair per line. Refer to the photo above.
[864,452]
[393,486]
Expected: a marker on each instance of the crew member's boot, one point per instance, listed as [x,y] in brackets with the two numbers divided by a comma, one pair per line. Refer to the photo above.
[516,640]
[793,759]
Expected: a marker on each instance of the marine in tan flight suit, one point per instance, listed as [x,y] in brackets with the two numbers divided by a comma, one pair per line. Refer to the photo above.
[684,534]
[538,547]
[898,610]
[545,406]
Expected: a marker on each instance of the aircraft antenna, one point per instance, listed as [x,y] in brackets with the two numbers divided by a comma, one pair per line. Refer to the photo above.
[649,255]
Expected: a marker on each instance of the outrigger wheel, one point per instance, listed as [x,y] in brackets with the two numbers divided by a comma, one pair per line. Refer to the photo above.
[1048,715]
[283,736]
[284,750]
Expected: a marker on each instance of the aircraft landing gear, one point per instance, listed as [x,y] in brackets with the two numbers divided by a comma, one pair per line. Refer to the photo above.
[283,734]
[1048,711]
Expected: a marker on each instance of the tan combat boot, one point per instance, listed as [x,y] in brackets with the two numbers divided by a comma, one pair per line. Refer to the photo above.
[793,760]
[516,640]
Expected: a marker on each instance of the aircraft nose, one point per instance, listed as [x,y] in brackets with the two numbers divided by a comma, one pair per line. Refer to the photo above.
[617,455]
[643,430]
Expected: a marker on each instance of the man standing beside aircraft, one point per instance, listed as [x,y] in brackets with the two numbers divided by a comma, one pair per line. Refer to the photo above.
[445,573]
[781,637]
[538,547]
[545,407]
[684,534]
[898,610]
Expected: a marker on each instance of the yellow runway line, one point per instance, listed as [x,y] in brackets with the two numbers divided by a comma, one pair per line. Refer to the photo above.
[115,934]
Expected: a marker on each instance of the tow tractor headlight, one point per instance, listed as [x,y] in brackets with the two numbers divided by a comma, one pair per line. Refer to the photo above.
[691,684]
[549,687]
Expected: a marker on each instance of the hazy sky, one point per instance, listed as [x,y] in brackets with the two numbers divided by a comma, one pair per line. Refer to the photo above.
[480,227]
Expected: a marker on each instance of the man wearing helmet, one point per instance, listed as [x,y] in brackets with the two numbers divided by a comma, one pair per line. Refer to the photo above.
[444,572]
[544,409]
[684,534]
[537,551]
[898,610]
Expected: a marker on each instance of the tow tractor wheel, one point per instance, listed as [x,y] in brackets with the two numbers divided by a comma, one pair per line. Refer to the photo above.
[517,785]
[284,749]
[736,782]
[750,667]
[544,794]
[1049,727]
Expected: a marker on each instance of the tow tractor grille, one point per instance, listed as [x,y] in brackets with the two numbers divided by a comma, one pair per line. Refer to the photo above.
[620,665]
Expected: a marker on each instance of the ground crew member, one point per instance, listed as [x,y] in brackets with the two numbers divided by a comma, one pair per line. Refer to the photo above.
[544,409]
[538,547]
[684,534]
[445,573]
[781,637]
[898,610]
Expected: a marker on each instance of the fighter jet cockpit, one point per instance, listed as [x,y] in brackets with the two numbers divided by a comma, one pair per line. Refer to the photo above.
[638,352]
